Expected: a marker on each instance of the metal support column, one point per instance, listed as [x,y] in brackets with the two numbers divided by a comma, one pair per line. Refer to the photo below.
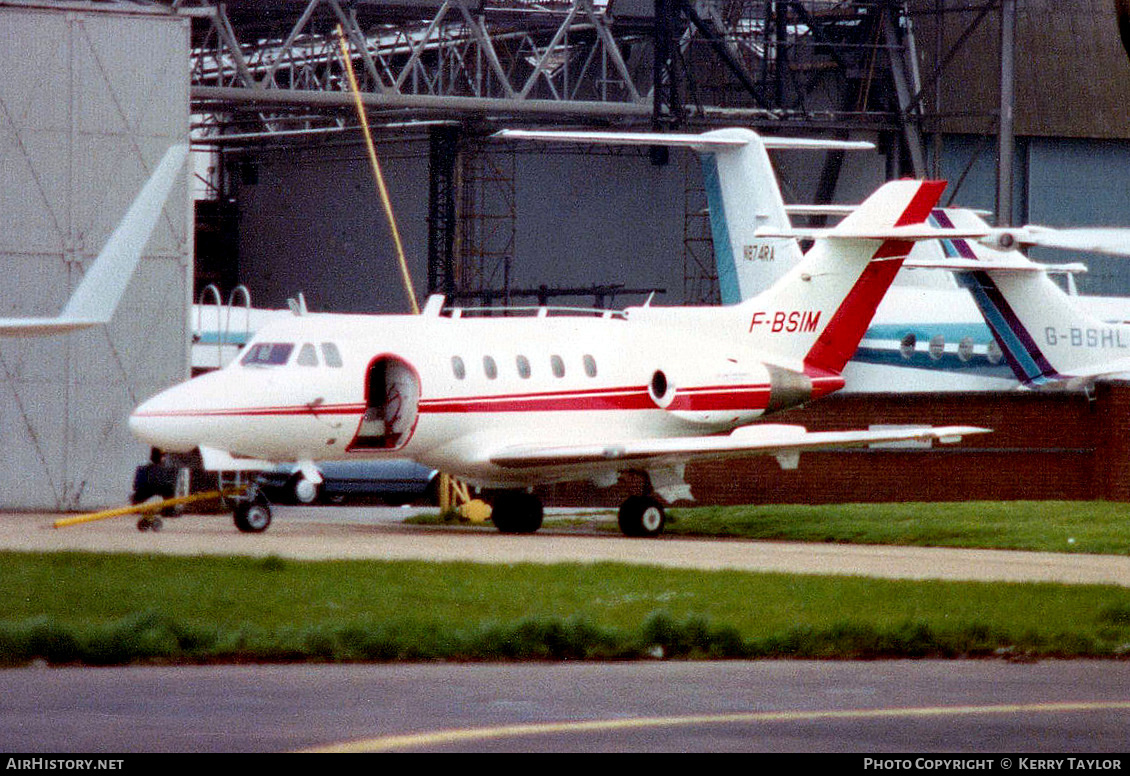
[1006,132]
[443,151]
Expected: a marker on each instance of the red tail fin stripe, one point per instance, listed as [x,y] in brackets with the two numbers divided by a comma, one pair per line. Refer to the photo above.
[922,203]
[835,347]
[838,343]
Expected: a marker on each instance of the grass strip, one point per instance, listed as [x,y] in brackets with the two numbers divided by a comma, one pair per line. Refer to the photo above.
[1098,527]
[105,609]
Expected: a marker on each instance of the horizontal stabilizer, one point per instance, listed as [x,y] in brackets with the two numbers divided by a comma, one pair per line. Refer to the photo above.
[718,139]
[989,265]
[911,233]
[1113,241]
[820,210]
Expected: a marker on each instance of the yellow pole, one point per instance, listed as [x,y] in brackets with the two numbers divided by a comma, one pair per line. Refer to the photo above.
[447,484]
[377,171]
[136,509]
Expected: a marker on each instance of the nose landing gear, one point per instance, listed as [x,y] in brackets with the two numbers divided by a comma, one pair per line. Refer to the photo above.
[251,511]
[253,516]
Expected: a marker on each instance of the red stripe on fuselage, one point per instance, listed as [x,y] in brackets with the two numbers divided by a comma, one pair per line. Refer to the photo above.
[605,399]
[705,398]
[753,397]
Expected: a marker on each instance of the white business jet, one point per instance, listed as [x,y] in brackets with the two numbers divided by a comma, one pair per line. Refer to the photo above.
[96,297]
[506,403]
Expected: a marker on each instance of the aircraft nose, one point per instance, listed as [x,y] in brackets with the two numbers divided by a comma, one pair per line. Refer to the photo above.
[144,424]
[158,423]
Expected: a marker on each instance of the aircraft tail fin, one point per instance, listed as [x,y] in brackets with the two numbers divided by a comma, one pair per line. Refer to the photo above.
[1044,336]
[104,283]
[820,310]
[97,295]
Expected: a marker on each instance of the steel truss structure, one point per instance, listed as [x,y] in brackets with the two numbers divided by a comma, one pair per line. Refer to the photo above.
[274,70]
[820,64]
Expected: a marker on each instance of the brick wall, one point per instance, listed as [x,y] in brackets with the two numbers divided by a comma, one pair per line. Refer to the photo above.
[1070,445]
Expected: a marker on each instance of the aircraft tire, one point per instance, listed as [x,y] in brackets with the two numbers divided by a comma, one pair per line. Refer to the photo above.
[252,517]
[305,492]
[517,512]
[642,517]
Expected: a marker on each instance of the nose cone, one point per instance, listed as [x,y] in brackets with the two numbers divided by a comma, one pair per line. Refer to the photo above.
[166,421]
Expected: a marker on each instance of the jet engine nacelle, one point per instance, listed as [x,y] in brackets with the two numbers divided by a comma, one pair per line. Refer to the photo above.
[725,393]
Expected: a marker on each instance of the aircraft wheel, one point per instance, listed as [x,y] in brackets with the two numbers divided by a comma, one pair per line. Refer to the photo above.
[642,517]
[517,512]
[149,524]
[305,492]
[253,516]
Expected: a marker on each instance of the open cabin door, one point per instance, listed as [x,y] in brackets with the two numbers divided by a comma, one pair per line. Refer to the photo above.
[392,397]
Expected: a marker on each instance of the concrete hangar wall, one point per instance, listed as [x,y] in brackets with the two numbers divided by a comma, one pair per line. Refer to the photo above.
[310,219]
[91,96]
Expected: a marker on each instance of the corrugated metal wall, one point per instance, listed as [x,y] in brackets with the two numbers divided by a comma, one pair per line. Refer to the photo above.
[1072,74]
[1060,182]
[89,102]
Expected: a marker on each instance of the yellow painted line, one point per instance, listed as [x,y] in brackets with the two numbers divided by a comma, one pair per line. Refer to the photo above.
[446,737]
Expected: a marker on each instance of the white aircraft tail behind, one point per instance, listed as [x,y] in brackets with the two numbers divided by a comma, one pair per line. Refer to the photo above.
[97,296]
[1044,335]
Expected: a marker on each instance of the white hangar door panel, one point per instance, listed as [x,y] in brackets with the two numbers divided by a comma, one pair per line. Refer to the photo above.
[89,102]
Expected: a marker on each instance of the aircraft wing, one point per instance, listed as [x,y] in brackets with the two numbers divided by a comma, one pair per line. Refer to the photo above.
[785,442]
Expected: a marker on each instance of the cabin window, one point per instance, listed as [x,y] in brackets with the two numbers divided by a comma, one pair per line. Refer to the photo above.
[994,353]
[965,348]
[307,356]
[906,346]
[937,347]
[268,354]
[590,365]
[331,355]
[458,368]
[557,365]
[490,368]
[523,367]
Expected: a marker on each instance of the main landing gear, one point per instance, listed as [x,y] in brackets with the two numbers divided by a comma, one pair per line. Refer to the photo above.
[519,512]
[516,512]
[642,517]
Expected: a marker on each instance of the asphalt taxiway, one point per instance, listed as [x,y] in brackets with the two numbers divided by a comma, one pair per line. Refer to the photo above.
[354,533]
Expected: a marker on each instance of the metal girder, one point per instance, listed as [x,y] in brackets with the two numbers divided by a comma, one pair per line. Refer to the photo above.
[583,58]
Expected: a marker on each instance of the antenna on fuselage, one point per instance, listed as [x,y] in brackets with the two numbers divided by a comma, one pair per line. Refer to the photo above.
[298,306]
